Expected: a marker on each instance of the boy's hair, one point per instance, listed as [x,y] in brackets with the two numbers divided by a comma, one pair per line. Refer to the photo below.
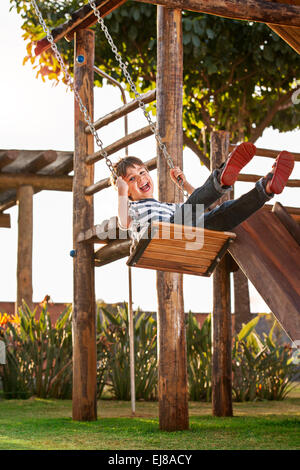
[127,162]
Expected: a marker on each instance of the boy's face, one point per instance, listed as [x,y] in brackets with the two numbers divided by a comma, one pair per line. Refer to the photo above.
[140,184]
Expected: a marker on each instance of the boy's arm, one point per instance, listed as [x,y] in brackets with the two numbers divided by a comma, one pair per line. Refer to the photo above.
[123,216]
[188,187]
[177,172]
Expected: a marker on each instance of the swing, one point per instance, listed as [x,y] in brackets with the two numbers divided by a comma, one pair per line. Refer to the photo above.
[163,246]
[180,248]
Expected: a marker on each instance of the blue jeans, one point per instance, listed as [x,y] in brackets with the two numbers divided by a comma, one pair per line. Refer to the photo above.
[227,215]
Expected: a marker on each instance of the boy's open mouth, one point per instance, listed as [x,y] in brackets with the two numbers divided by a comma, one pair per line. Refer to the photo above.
[145,187]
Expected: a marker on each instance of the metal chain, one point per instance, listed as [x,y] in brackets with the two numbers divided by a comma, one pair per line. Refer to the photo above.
[73,87]
[83,109]
[137,95]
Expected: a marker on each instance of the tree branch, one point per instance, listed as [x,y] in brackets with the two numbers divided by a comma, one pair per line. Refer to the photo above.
[193,146]
[229,81]
[257,132]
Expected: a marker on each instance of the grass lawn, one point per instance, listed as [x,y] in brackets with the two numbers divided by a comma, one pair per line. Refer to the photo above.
[38,424]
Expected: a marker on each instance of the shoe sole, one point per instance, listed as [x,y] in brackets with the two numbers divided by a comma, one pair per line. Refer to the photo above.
[284,165]
[240,156]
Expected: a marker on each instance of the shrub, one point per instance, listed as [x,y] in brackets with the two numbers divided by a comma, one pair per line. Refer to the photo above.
[199,358]
[39,356]
[115,328]
[261,370]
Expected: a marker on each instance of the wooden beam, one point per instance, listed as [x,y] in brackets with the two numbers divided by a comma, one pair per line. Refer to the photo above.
[84,314]
[253,178]
[293,211]
[287,220]
[248,10]
[113,251]
[39,182]
[146,132]
[82,18]
[289,34]
[30,161]
[40,160]
[289,209]
[62,165]
[172,361]
[122,111]
[7,157]
[120,144]
[96,187]
[4,220]
[25,238]
[269,153]
[221,315]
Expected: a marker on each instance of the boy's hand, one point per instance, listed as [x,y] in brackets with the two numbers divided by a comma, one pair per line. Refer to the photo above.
[176,173]
[122,186]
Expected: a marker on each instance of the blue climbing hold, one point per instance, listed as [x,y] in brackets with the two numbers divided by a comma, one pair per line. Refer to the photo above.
[73,253]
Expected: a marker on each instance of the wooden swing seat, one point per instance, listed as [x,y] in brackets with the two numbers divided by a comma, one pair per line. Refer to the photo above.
[180,248]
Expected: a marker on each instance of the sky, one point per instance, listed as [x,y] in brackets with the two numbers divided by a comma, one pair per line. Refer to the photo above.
[36,115]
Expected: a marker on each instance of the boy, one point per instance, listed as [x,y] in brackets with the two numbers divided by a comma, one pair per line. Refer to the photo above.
[135,192]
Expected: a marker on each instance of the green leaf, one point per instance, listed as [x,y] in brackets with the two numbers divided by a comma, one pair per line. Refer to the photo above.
[248,328]
[187,24]
[133,32]
[268,54]
[136,14]
[187,38]
[210,33]
[196,40]
[198,29]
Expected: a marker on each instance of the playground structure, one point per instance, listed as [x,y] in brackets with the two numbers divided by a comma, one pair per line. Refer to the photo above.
[258,263]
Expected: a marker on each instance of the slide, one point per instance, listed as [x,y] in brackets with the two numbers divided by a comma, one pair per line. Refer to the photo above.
[267,249]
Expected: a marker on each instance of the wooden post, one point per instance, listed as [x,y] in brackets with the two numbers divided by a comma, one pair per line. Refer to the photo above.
[25,236]
[242,312]
[172,365]
[84,316]
[221,317]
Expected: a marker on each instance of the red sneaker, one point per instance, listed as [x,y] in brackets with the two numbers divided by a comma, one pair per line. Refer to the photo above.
[240,156]
[283,167]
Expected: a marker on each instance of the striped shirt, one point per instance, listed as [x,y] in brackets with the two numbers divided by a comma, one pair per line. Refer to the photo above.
[145,211]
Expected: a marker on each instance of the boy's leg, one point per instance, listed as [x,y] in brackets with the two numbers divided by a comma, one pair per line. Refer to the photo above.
[194,207]
[231,213]
[191,211]
[221,180]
